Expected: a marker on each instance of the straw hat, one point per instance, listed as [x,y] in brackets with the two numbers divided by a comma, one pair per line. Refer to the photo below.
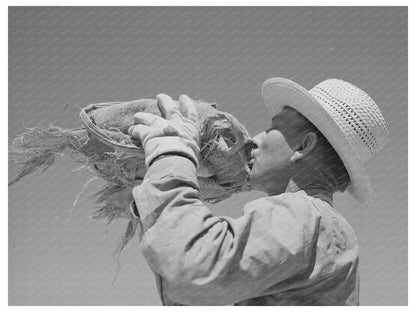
[347,116]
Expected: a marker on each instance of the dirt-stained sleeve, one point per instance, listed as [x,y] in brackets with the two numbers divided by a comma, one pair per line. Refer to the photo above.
[210,260]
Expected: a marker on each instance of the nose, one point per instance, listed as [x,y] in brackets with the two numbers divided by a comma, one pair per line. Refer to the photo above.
[253,144]
[257,140]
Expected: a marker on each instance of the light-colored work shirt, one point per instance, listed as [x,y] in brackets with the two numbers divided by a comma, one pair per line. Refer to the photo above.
[289,249]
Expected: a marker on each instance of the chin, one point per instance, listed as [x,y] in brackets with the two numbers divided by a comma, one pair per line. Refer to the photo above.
[254,181]
[264,182]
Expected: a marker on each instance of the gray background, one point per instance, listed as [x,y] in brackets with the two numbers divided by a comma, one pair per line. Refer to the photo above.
[61,59]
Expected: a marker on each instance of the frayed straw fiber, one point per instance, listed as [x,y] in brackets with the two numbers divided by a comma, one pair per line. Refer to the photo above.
[104,146]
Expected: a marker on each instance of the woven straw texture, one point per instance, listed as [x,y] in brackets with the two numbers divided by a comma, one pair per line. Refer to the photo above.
[356,114]
[223,152]
[62,58]
[348,118]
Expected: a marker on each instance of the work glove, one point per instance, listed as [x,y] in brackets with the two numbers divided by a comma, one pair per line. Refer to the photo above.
[175,133]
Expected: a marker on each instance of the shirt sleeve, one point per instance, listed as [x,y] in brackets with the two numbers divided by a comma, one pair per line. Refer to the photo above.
[213,260]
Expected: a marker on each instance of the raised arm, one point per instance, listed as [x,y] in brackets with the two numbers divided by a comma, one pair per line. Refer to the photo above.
[205,259]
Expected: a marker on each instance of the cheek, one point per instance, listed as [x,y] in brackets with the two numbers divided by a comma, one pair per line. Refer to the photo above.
[274,149]
[271,145]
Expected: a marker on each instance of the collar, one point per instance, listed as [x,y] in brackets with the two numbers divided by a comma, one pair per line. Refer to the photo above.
[323,195]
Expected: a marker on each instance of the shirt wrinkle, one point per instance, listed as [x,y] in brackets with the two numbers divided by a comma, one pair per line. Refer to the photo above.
[289,249]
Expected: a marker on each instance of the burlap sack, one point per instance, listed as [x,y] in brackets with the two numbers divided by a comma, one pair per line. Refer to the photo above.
[104,146]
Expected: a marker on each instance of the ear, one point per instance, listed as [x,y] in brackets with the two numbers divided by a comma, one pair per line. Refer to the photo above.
[307,145]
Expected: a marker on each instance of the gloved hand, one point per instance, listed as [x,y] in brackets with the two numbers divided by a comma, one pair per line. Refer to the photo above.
[173,133]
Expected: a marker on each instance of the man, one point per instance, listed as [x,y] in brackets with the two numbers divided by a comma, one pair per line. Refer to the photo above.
[289,248]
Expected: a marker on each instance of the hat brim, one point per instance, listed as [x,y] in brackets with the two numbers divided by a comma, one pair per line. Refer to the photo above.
[280,92]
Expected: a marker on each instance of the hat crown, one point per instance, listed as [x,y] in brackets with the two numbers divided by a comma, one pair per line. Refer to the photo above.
[355,113]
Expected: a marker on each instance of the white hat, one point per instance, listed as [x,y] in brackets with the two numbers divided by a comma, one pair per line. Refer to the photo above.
[347,116]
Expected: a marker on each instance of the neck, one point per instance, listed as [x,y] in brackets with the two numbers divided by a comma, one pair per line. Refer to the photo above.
[293,187]
[312,182]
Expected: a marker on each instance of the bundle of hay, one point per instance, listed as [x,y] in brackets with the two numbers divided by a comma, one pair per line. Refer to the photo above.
[104,146]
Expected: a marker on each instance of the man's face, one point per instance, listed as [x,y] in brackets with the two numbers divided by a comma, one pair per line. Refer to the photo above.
[272,164]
